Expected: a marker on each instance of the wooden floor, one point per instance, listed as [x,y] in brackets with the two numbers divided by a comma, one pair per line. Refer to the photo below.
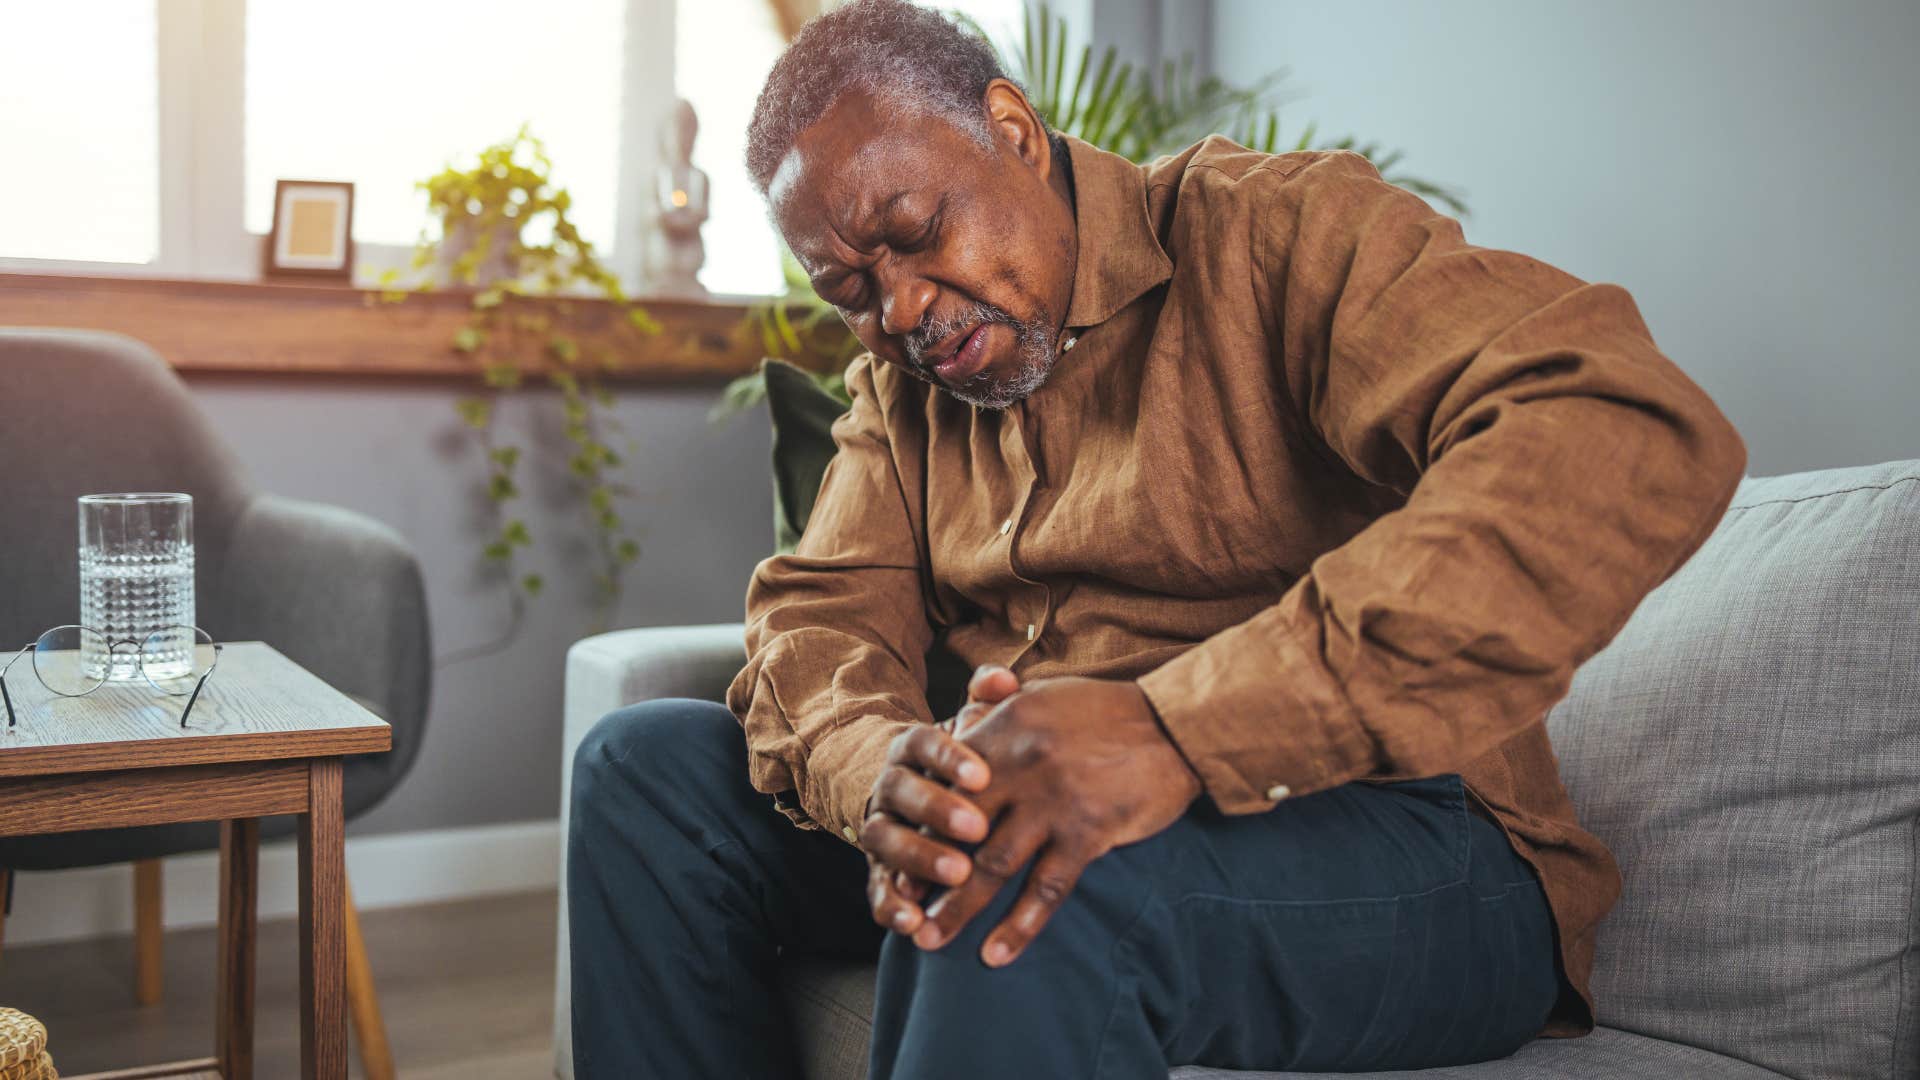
[467,989]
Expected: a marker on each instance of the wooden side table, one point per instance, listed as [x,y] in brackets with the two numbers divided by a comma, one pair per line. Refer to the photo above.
[266,737]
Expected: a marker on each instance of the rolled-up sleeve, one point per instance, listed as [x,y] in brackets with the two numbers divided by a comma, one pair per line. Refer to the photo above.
[837,633]
[1555,467]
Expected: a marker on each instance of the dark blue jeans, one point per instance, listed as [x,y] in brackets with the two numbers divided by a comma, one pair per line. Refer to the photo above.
[1367,927]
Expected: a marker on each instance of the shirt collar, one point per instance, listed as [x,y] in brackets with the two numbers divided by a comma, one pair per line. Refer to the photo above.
[1120,257]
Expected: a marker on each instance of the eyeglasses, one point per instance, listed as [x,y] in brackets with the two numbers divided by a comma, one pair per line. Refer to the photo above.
[74,661]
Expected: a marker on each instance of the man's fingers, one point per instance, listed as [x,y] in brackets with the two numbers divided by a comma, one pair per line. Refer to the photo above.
[1054,875]
[1012,845]
[903,848]
[932,749]
[970,714]
[910,887]
[921,800]
[890,908]
[991,683]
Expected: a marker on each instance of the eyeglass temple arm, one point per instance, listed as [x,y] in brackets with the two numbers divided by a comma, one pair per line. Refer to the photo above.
[4,696]
[197,687]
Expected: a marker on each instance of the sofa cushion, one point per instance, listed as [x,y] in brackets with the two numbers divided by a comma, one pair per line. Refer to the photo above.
[830,1003]
[1606,1054]
[1749,747]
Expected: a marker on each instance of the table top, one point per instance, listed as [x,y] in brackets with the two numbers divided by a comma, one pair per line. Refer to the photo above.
[257,706]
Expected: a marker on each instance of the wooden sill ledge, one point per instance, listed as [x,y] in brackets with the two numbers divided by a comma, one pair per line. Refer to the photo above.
[325,329]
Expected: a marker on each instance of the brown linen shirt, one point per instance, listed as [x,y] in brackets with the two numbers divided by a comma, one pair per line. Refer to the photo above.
[1348,497]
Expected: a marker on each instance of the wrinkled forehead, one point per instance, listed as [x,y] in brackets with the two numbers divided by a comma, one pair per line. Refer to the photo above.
[861,155]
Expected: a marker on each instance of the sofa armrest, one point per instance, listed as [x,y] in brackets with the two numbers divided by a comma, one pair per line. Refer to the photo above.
[609,671]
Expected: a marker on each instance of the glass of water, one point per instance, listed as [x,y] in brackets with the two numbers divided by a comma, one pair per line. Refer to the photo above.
[136,581]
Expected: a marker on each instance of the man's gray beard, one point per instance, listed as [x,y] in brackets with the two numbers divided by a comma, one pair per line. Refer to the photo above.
[1036,344]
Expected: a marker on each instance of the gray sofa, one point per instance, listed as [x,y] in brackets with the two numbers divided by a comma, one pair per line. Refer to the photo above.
[1749,746]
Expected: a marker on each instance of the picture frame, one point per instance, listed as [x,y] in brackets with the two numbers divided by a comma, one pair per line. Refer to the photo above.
[312,234]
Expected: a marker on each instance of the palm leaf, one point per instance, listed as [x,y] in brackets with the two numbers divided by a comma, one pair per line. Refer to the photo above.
[1142,114]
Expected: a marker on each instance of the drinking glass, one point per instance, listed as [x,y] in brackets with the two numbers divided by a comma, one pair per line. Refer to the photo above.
[136,582]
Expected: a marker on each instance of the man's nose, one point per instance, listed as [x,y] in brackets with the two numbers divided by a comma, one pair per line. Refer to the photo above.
[904,303]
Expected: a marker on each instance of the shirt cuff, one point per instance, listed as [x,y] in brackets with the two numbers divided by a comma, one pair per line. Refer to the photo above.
[1257,715]
[841,770]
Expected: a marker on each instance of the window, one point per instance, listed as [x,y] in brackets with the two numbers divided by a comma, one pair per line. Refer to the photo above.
[743,251]
[385,94]
[80,131]
[145,136]
[723,50]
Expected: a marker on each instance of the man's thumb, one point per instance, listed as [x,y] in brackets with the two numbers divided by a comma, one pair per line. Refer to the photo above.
[992,682]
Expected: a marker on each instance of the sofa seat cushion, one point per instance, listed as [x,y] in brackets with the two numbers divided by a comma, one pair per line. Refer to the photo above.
[1749,748]
[830,1003]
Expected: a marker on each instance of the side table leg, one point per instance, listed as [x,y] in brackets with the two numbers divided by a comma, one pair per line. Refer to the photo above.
[323,953]
[239,912]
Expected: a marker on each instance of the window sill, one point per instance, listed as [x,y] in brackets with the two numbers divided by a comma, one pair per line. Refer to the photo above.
[337,329]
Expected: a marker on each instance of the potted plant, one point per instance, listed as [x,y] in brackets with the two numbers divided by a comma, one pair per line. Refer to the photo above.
[521,324]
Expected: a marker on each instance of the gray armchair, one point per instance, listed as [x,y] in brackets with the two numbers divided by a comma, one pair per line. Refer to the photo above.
[335,591]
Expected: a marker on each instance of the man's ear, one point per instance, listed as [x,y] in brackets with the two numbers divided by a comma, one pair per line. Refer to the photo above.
[1017,125]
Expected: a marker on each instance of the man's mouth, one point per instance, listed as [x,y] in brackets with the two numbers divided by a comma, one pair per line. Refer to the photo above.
[967,355]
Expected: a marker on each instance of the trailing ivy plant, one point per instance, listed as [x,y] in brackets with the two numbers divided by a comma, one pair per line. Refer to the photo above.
[1139,113]
[505,231]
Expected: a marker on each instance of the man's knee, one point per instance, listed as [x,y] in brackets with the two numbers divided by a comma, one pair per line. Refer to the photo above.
[1100,907]
[654,748]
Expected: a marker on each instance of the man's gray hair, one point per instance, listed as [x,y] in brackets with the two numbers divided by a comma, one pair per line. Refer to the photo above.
[906,56]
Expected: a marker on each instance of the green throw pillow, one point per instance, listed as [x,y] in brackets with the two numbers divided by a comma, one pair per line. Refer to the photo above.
[803,416]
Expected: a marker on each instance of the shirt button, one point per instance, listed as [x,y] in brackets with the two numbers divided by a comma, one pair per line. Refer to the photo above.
[1072,340]
[1032,632]
[1278,792]
[847,831]
[1006,527]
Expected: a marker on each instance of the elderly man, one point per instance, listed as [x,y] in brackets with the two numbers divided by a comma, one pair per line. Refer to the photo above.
[1273,515]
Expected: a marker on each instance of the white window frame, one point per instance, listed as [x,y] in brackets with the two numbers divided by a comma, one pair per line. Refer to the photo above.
[202,138]
[201,69]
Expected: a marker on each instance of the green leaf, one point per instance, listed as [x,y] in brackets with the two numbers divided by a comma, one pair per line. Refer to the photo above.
[505,456]
[500,487]
[741,394]
[784,326]
[564,349]
[501,375]
[627,551]
[533,583]
[475,412]
[642,321]
[497,552]
[515,533]
[469,339]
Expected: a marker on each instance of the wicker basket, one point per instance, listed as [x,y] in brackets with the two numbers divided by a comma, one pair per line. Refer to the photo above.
[23,1048]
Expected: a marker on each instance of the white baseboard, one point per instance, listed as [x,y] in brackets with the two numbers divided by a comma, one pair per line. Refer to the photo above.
[391,870]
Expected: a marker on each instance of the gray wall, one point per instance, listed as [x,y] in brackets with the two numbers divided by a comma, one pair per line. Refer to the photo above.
[396,451]
[1744,167]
